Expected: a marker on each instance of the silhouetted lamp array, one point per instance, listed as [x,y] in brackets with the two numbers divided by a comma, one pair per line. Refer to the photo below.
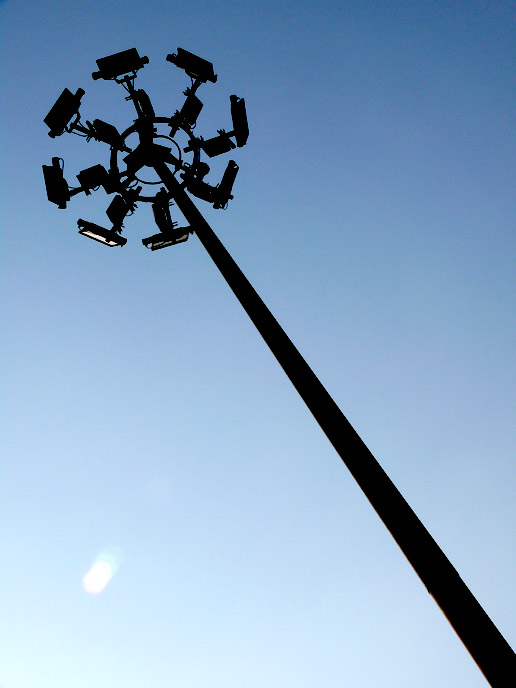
[122,178]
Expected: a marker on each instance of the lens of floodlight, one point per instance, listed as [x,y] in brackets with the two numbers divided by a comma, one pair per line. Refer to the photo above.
[217,145]
[239,117]
[164,239]
[223,191]
[55,183]
[108,237]
[63,110]
[117,211]
[194,66]
[119,63]
[107,133]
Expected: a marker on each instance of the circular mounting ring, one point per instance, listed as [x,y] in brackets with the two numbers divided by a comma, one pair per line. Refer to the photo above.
[133,129]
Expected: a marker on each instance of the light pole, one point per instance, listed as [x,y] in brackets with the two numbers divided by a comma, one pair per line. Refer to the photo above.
[485,643]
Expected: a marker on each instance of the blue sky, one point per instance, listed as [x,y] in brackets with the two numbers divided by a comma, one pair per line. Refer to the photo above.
[145,421]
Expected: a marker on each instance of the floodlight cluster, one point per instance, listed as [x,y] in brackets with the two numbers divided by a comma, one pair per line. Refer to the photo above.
[121,178]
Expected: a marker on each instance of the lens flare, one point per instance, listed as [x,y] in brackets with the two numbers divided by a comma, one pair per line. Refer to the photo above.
[97,578]
[102,571]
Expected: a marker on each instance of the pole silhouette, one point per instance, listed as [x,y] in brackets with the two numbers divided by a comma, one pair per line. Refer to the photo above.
[482,639]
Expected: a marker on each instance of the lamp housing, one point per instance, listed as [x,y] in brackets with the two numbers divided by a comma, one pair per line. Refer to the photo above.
[200,189]
[143,104]
[62,112]
[222,192]
[218,145]
[108,237]
[239,117]
[120,63]
[196,67]
[93,177]
[162,218]
[176,235]
[188,114]
[117,211]
[55,183]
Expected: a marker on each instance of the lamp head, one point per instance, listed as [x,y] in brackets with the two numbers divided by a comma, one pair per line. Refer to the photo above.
[63,111]
[108,237]
[117,211]
[218,145]
[118,64]
[93,177]
[55,183]
[196,67]
[239,117]
[174,236]
[190,111]
[222,193]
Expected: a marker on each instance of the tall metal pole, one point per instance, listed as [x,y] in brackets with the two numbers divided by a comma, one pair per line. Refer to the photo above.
[482,639]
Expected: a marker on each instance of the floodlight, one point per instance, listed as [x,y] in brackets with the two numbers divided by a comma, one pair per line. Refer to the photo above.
[63,110]
[103,131]
[217,145]
[93,177]
[222,193]
[239,117]
[188,114]
[194,66]
[143,104]
[109,237]
[173,236]
[119,63]
[117,210]
[161,211]
[55,183]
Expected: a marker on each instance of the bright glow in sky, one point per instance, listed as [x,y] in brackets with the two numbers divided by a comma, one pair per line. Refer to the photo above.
[97,577]
[102,571]
[374,213]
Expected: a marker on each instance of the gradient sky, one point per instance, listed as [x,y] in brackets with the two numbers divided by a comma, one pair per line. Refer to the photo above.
[146,428]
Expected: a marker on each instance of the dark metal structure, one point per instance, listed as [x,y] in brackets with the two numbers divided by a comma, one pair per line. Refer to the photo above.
[126,161]
[178,179]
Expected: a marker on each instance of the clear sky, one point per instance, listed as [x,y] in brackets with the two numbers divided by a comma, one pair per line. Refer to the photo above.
[146,426]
